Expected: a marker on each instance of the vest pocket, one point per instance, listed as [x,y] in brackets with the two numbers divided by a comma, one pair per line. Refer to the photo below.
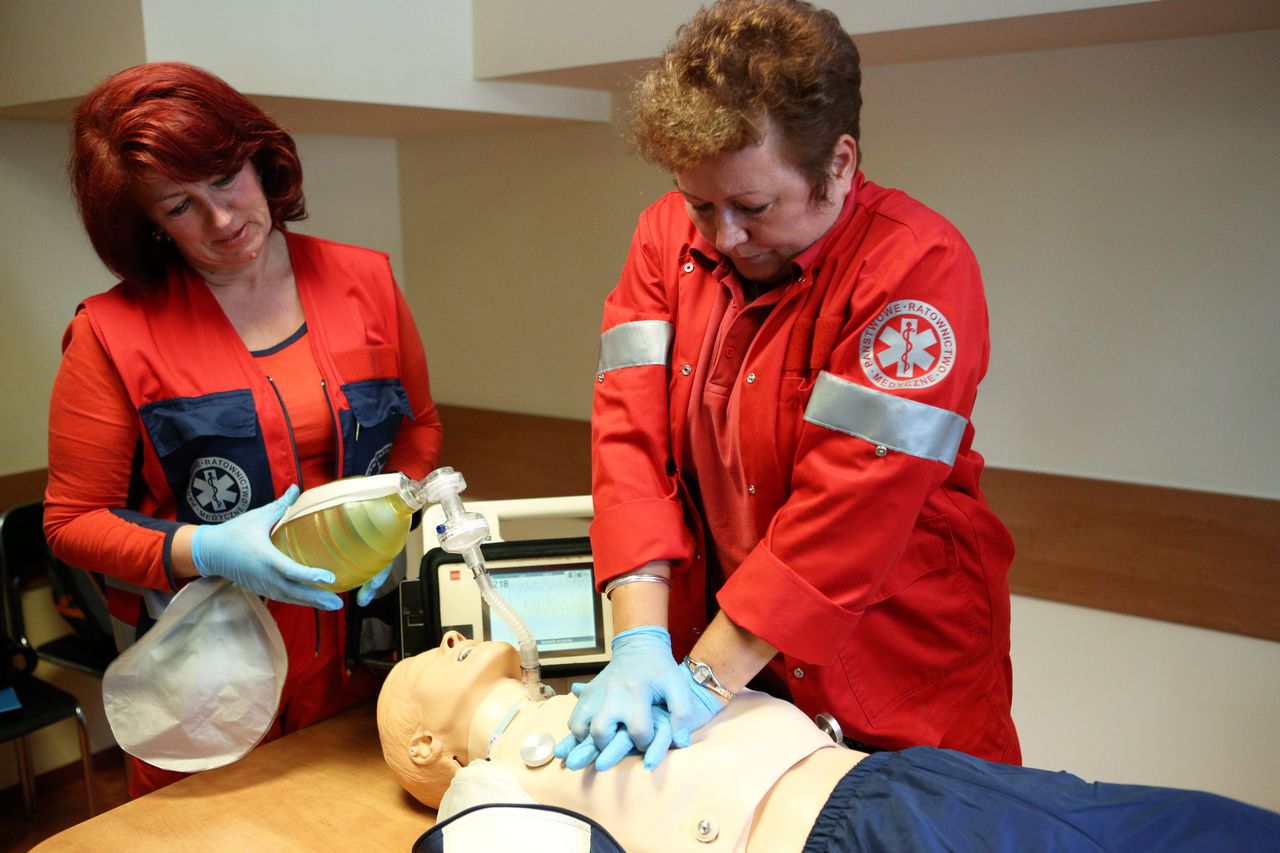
[212,453]
[370,426]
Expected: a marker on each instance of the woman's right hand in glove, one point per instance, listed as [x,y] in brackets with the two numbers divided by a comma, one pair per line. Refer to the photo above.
[241,551]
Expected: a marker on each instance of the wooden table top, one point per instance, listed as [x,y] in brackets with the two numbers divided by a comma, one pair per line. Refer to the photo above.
[323,788]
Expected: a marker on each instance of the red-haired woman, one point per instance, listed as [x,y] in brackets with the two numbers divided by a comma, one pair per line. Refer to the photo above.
[235,363]
[782,466]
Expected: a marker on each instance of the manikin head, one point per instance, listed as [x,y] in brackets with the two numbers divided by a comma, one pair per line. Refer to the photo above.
[428,704]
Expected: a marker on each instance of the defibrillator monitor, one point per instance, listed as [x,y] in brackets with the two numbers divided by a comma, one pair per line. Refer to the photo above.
[548,582]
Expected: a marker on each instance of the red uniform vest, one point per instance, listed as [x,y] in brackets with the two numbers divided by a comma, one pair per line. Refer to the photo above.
[214,436]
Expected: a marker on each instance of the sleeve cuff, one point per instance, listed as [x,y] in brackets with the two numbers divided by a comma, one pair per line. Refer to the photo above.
[810,627]
[167,557]
[164,526]
[629,535]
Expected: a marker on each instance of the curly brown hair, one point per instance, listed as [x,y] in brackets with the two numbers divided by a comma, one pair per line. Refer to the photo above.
[738,65]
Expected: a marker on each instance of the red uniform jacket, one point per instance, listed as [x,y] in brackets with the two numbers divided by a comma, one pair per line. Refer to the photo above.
[881,573]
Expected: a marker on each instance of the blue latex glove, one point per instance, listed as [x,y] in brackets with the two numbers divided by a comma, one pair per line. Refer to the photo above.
[705,707]
[579,754]
[241,551]
[619,710]
[370,587]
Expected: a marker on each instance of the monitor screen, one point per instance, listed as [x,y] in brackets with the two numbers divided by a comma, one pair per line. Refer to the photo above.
[558,603]
[549,583]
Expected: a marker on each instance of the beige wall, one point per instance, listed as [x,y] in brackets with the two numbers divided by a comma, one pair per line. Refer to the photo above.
[46,266]
[1119,698]
[512,241]
[1121,199]
[1123,203]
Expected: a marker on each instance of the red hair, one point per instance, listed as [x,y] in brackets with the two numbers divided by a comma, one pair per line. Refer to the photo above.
[185,124]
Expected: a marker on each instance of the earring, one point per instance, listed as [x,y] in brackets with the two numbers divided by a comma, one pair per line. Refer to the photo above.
[159,236]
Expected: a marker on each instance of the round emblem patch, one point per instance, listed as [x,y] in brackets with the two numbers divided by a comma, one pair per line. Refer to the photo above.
[379,459]
[218,489]
[908,345]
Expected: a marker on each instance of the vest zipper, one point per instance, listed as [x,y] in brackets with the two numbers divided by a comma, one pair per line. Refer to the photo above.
[293,444]
[338,450]
[297,466]
[348,656]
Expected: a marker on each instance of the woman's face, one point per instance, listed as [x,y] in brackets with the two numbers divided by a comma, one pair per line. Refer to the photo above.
[219,225]
[756,207]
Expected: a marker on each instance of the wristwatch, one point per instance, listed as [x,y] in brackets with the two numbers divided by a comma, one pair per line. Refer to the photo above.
[703,675]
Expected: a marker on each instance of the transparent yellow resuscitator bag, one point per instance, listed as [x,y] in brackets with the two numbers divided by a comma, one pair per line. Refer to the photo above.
[352,527]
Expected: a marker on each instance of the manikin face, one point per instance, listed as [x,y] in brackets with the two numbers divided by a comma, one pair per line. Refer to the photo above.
[219,225]
[449,682]
[755,207]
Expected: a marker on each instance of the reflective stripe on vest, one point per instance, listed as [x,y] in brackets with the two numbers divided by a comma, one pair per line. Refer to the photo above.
[917,429]
[634,344]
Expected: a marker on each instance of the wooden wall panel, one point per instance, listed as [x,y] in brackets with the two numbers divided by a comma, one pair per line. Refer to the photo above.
[1196,558]
[505,455]
[22,488]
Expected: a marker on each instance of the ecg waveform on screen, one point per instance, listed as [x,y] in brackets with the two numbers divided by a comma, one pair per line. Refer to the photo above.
[558,605]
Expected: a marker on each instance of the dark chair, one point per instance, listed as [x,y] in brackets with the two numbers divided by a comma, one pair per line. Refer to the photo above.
[41,704]
[78,595]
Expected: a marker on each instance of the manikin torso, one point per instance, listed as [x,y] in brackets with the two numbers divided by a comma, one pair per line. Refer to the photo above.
[702,798]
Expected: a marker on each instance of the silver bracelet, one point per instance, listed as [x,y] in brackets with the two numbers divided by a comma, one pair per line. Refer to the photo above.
[626,579]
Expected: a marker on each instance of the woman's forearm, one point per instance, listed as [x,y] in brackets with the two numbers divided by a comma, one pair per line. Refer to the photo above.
[734,654]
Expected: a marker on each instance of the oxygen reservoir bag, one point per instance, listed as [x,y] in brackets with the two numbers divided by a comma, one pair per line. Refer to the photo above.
[201,688]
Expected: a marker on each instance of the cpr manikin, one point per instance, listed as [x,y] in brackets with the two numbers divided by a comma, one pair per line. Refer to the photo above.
[764,778]
[438,711]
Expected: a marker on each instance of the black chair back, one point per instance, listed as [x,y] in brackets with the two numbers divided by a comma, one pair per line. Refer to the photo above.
[78,595]
[24,556]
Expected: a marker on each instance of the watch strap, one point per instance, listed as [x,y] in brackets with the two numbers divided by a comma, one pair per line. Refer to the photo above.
[704,675]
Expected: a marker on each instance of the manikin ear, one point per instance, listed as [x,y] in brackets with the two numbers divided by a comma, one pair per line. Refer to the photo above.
[433,767]
[424,748]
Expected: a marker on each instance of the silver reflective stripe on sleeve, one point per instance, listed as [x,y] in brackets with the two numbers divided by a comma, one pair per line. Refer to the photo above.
[904,425]
[634,344]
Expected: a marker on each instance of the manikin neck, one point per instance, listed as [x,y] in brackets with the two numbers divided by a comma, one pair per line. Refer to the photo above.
[506,699]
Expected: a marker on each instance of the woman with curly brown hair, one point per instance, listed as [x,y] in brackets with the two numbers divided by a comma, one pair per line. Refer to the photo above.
[234,364]
[784,484]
